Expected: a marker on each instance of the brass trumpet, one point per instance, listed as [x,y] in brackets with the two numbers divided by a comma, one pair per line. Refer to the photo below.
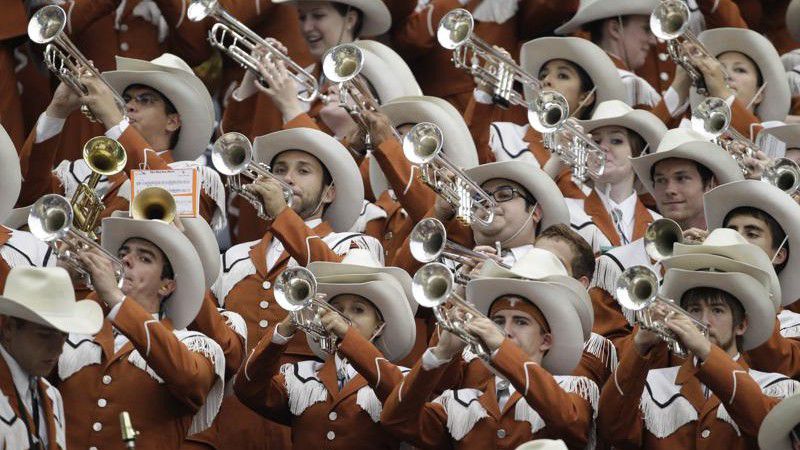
[296,292]
[105,157]
[238,41]
[422,146]
[232,155]
[61,55]
[660,238]
[432,287]
[51,221]
[154,203]
[637,290]
[712,118]
[670,22]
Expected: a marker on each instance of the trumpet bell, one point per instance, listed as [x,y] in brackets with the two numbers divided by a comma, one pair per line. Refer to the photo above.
[342,63]
[295,288]
[669,19]
[200,9]
[104,155]
[154,203]
[548,111]
[231,153]
[784,174]
[47,24]
[427,240]
[432,285]
[455,28]
[711,117]
[636,288]
[423,142]
[50,218]
[660,238]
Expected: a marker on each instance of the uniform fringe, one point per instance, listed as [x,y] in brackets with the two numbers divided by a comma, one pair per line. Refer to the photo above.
[603,349]
[236,323]
[199,343]
[302,394]
[68,182]
[462,412]
[582,386]
[85,353]
[227,281]
[211,183]
[662,422]
[369,402]
[524,413]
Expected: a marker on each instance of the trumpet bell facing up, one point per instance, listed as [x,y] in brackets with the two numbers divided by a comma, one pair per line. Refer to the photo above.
[423,142]
[200,9]
[47,24]
[784,174]
[660,238]
[636,288]
[455,28]
[432,285]
[669,19]
[295,288]
[342,63]
[50,218]
[427,240]
[104,155]
[154,203]
[548,111]
[231,153]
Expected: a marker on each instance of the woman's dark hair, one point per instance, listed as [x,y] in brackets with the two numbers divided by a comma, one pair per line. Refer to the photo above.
[342,9]
[586,86]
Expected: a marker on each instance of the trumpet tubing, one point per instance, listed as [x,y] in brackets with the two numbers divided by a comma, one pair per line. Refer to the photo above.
[105,157]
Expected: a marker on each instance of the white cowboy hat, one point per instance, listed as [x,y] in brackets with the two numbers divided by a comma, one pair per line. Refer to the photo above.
[688,144]
[565,353]
[788,134]
[542,265]
[174,79]
[592,10]
[45,295]
[749,291]
[458,146]
[377,18]
[777,97]
[543,444]
[205,242]
[781,419]
[582,52]
[793,19]
[18,217]
[534,180]
[345,208]
[11,181]
[617,113]
[774,202]
[183,305]
[380,60]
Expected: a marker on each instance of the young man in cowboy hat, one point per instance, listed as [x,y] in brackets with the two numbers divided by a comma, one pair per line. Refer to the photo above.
[327,199]
[531,395]
[143,360]
[337,403]
[37,310]
[166,122]
[677,174]
[713,398]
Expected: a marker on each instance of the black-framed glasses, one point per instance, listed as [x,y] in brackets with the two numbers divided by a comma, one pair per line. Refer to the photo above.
[505,194]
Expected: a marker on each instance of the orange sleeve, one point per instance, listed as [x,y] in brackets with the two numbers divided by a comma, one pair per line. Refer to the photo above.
[381,374]
[238,116]
[210,322]
[417,35]
[721,13]
[302,120]
[541,17]
[609,321]
[415,196]
[742,118]
[777,354]
[135,147]
[187,38]
[83,13]
[300,241]
[187,374]
[37,162]
[456,232]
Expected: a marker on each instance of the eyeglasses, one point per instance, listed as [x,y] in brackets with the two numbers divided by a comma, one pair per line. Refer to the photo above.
[143,99]
[505,194]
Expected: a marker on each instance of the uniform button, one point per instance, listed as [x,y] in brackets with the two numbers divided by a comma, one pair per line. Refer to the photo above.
[97,426]
[706,433]
[263,323]
[266,285]
[264,304]
[501,433]
[106,379]
[332,415]
[663,56]
[124,46]
[331,435]
[123,27]
[102,403]
[664,76]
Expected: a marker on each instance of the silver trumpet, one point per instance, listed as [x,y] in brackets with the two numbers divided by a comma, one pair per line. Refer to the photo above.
[484,62]
[670,22]
[239,42]
[50,220]
[422,146]
[712,118]
[296,292]
[660,238]
[550,116]
[637,290]
[432,287]
[232,155]
[61,55]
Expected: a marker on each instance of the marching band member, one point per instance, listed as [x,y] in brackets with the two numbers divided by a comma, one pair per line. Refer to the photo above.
[37,310]
[713,398]
[167,122]
[143,360]
[328,194]
[677,174]
[337,403]
[779,429]
[531,396]
[571,249]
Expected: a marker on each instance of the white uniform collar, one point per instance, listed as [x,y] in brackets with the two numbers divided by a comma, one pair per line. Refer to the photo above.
[20,377]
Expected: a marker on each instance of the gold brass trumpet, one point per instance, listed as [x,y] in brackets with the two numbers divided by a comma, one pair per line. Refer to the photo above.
[61,55]
[670,22]
[432,287]
[238,41]
[637,290]
[154,203]
[422,146]
[296,292]
[232,155]
[712,118]
[550,116]
[51,221]
[105,157]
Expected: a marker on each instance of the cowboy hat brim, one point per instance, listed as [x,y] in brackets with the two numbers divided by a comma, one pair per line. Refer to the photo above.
[643,123]
[11,181]
[85,317]
[779,422]
[592,10]
[377,18]
[352,273]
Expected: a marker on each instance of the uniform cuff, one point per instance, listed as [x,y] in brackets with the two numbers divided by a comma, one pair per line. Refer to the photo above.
[430,361]
[672,100]
[116,131]
[47,127]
